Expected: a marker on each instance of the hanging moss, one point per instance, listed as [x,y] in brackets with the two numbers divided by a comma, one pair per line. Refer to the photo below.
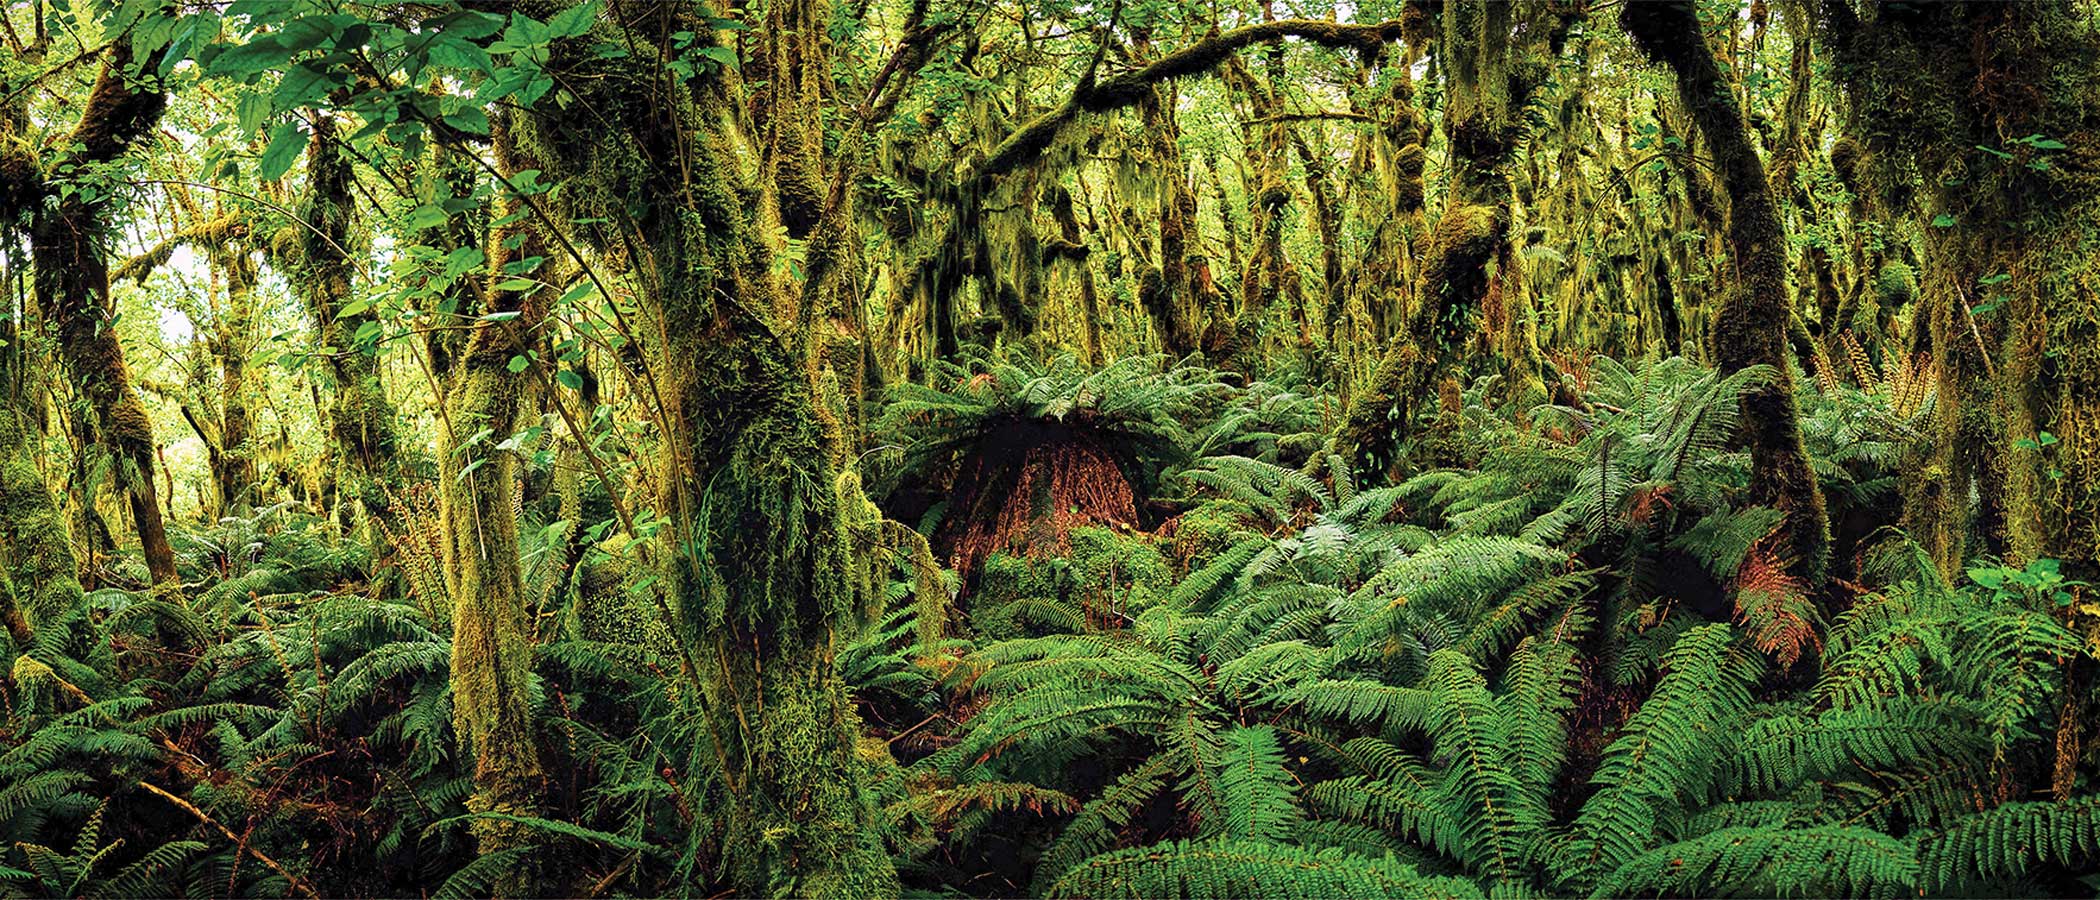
[767,574]
[1408,191]
[1929,89]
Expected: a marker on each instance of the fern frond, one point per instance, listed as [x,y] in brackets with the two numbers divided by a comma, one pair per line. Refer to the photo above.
[1827,860]
[2006,841]
[1236,869]
[1665,757]
[1256,792]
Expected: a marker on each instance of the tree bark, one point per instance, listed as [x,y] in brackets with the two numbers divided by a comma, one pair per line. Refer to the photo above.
[361,421]
[1489,75]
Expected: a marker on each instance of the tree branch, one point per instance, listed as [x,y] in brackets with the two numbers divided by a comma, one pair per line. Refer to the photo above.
[1028,144]
[213,233]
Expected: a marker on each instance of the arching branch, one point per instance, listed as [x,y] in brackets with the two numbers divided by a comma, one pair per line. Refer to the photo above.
[1028,144]
[213,233]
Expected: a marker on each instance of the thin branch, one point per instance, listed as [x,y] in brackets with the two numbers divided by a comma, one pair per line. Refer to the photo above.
[297,883]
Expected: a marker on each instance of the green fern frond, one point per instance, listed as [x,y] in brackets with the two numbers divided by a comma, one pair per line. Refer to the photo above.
[1256,793]
[1827,860]
[1103,818]
[1234,869]
[1665,757]
[2007,841]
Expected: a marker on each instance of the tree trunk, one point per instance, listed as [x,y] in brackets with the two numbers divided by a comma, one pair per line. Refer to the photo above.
[1751,328]
[492,645]
[2018,401]
[765,572]
[72,278]
[361,421]
[1488,77]
[42,581]
[1073,250]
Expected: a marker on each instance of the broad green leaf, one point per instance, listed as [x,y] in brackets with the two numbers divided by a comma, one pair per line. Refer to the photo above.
[241,60]
[469,119]
[301,86]
[574,21]
[723,55]
[253,109]
[429,215]
[463,260]
[453,53]
[287,141]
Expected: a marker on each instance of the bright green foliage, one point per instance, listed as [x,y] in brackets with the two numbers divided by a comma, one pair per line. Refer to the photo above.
[1255,794]
[1431,686]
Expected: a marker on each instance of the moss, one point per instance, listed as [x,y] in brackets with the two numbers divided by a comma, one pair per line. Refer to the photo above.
[802,189]
[1106,577]
[1200,534]
[1845,161]
[1028,143]
[1895,285]
[617,599]
[1466,237]
[767,572]
[1925,87]
[1294,450]
[40,568]
[1120,571]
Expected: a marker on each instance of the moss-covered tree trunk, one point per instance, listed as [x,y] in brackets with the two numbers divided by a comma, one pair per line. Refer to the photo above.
[492,645]
[1976,120]
[67,238]
[1493,56]
[233,468]
[1177,293]
[365,438]
[1264,273]
[1071,247]
[767,577]
[1752,325]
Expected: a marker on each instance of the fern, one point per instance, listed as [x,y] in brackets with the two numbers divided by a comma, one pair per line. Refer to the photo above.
[1256,792]
[1224,869]
[1665,758]
[2007,841]
[1829,860]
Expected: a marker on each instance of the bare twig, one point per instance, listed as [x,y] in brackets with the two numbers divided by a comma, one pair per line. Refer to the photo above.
[297,883]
